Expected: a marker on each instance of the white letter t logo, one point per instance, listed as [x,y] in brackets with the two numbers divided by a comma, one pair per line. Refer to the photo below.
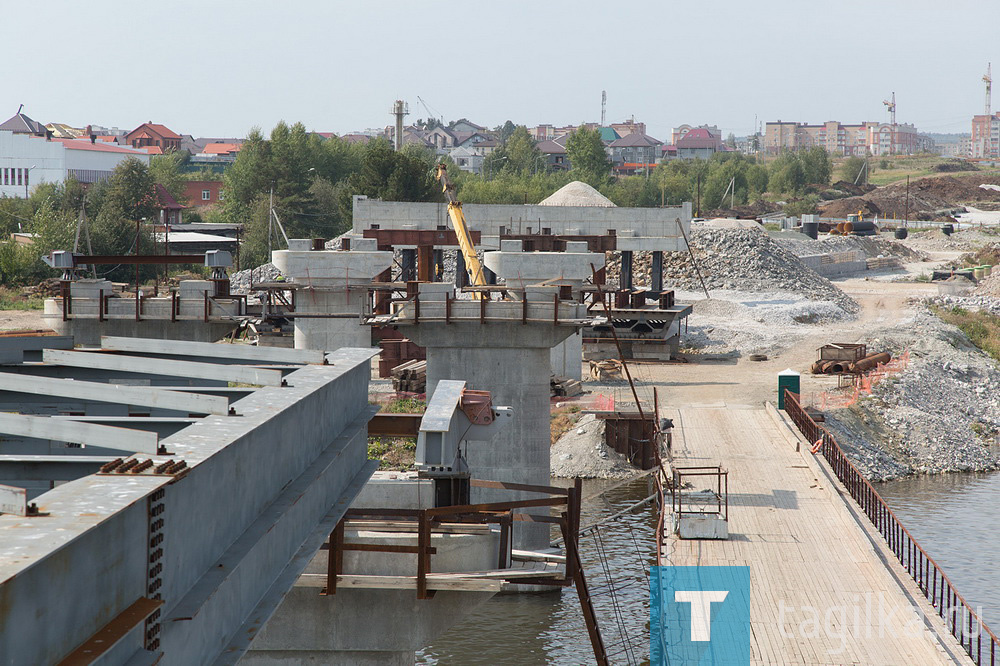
[701,610]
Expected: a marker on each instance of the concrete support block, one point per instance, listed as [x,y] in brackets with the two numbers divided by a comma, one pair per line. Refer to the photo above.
[626,269]
[657,271]
[328,277]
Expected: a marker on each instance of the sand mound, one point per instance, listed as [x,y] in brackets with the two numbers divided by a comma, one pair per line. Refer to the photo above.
[576,194]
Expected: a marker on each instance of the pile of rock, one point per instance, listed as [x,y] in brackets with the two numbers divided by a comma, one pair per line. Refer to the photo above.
[738,259]
[871,246]
[941,414]
[582,452]
[239,283]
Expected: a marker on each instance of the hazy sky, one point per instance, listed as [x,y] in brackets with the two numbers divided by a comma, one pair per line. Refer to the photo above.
[219,67]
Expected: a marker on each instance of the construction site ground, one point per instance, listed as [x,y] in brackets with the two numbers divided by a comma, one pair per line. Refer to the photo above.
[734,381]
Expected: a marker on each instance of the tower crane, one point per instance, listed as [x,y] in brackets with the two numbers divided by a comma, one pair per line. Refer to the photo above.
[988,80]
[891,106]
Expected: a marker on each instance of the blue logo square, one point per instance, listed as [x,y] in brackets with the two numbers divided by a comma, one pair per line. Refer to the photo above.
[699,616]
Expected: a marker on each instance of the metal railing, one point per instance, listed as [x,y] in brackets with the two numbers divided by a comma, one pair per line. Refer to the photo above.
[962,621]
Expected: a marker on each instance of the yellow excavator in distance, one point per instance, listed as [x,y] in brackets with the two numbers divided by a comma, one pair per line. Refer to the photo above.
[472,264]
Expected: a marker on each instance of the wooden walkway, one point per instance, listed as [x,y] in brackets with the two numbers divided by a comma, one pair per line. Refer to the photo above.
[802,545]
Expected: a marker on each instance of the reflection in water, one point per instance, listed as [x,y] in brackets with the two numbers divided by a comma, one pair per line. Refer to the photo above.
[527,629]
[955,517]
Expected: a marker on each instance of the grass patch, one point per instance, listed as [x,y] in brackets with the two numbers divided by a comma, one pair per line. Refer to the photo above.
[562,421]
[396,453]
[982,328]
[12,299]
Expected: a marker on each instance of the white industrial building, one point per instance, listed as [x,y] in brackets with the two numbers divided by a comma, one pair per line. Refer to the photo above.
[27,160]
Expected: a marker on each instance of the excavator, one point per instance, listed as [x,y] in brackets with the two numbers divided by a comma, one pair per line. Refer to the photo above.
[472,264]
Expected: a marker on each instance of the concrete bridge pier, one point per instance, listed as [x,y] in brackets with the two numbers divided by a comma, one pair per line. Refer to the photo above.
[505,352]
[570,268]
[331,282]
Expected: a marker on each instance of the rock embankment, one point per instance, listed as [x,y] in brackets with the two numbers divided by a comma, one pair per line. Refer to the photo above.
[941,414]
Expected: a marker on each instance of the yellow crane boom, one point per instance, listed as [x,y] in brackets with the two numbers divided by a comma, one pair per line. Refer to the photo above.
[461,230]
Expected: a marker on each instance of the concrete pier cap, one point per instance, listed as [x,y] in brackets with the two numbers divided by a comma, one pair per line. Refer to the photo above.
[331,282]
[572,267]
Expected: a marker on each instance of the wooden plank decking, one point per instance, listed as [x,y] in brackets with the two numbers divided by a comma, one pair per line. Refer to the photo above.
[802,545]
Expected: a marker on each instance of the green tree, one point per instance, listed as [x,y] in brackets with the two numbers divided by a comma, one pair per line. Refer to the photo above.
[588,158]
[522,154]
[816,166]
[505,131]
[853,169]
[786,174]
[166,171]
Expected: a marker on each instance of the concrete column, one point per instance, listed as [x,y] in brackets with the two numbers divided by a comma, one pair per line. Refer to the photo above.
[511,360]
[409,265]
[657,271]
[331,282]
[625,281]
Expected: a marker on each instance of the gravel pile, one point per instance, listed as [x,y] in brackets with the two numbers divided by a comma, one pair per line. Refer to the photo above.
[942,414]
[576,194]
[872,246]
[745,260]
[742,323]
[990,287]
[239,283]
[582,452]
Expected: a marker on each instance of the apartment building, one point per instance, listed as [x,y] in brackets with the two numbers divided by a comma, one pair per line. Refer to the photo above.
[866,138]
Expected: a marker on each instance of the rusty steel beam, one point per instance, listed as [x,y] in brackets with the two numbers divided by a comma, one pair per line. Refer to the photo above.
[80,260]
[388,424]
[557,243]
[389,238]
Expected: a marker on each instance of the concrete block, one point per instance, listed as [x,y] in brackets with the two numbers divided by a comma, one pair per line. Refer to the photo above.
[300,244]
[89,288]
[511,246]
[436,290]
[364,244]
[578,247]
[194,288]
[705,526]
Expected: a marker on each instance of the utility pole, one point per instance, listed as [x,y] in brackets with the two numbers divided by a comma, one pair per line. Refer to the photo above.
[399,109]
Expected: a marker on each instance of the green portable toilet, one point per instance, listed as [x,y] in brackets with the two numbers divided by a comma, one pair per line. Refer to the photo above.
[787,379]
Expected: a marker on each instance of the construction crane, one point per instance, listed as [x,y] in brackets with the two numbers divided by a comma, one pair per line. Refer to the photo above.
[891,105]
[472,264]
[430,114]
[988,80]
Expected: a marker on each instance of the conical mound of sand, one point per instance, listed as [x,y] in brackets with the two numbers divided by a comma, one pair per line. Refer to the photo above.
[576,194]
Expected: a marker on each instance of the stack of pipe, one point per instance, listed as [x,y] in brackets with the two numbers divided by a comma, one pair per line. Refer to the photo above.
[822,367]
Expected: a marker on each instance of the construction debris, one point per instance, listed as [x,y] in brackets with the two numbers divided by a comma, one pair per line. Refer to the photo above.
[565,387]
[608,370]
[410,377]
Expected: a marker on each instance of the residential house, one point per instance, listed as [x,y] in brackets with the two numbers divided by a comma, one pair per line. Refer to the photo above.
[467,159]
[203,193]
[633,152]
[554,151]
[27,159]
[464,125]
[169,209]
[154,138]
[225,151]
[696,143]
[64,131]
[19,123]
[678,133]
